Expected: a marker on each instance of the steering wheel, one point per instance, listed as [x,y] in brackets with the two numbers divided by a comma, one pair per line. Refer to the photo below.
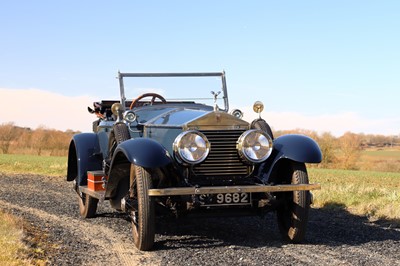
[154,95]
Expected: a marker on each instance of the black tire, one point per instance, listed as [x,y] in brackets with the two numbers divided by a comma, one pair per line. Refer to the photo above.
[143,212]
[262,125]
[292,216]
[87,205]
[119,133]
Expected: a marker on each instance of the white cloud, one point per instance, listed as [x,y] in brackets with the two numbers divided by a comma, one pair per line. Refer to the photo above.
[34,107]
[336,123]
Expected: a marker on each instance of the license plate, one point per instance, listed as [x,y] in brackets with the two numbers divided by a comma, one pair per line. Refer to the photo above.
[239,198]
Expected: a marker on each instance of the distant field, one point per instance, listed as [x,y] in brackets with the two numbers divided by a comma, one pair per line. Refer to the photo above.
[380,160]
[383,154]
[45,165]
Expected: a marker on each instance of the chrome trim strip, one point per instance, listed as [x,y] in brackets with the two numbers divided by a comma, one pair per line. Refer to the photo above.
[230,189]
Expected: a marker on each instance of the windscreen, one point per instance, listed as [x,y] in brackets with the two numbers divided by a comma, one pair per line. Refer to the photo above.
[190,89]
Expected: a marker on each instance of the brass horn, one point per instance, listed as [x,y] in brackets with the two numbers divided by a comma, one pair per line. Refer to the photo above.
[116,109]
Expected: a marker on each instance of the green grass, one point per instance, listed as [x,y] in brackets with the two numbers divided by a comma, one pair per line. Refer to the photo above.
[12,246]
[374,194]
[43,165]
[368,193]
[16,244]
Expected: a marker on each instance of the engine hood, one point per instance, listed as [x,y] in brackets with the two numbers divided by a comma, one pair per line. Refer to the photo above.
[167,126]
[217,120]
[196,118]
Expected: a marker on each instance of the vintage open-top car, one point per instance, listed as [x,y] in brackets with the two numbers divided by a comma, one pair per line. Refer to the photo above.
[185,156]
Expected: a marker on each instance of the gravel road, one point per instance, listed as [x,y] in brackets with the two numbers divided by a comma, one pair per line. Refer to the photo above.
[334,237]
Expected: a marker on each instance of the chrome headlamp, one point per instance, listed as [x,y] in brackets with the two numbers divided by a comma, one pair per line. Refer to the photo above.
[130,116]
[254,146]
[191,147]
[237,113]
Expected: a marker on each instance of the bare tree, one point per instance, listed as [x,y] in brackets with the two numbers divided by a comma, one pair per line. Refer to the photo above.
[327,143]
[40,139]
[350,148]
[8,133]
[24,141]
[58,142]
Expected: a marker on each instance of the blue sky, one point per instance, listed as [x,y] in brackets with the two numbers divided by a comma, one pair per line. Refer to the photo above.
[323,65]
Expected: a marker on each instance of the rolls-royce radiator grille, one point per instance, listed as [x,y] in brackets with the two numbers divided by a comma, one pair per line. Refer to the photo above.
[223,159]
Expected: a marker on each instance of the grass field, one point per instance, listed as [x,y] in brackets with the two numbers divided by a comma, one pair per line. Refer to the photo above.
[11,241]
[373,194]
[23,164]
[368,193]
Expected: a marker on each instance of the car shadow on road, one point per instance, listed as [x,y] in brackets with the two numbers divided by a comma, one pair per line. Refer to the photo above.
[211,232]
[332,225]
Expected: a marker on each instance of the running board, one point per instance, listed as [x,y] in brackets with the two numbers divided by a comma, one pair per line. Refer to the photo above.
[100,195]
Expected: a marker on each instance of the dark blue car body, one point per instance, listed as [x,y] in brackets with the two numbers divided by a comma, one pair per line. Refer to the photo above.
[230,178]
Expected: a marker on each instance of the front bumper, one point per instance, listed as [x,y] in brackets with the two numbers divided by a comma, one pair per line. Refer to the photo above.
[230,189]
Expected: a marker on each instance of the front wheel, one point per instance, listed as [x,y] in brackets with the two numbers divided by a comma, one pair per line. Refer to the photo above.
[293,214]
[142,213]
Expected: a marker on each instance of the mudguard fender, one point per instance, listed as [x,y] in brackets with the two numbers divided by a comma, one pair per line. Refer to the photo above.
[294,147]
[298,148]
[143,152]
[83,155]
